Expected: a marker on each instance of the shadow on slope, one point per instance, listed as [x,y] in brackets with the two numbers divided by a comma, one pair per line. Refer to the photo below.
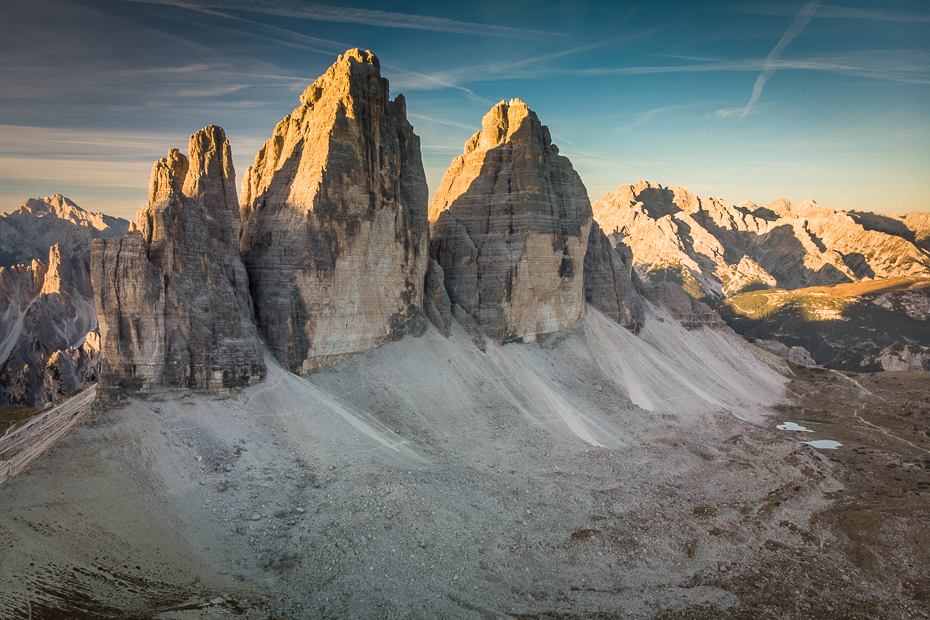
[830,320]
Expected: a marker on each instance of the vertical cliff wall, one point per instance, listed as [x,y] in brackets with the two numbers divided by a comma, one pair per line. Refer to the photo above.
[172,295]
[510,225]
[334,214]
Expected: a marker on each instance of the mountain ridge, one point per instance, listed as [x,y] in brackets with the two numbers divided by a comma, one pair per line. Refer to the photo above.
[723,249]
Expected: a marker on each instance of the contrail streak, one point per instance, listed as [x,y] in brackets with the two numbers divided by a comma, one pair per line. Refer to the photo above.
[799,23]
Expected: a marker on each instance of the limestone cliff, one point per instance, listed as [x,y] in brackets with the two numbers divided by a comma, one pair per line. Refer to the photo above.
[334,220]
[716,249]
[608,282]
[172,295]
[510,224]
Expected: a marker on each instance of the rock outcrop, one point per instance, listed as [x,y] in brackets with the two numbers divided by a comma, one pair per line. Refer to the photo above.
[47,320]
[608,282]
[795,355]
[334,214]
[436,303]
[685,309]
[172,295]
[717,249]
[509,226]
[27,233]
[899,357]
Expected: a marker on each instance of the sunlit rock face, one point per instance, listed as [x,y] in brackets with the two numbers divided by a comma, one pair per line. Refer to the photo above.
[720,249]
[509,226]
[47,318]
[172,294]
[334,219]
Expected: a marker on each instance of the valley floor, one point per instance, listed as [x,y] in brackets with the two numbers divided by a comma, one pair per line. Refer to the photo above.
[597,475]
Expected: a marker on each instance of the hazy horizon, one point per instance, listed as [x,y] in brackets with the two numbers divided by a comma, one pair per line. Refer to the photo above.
[754,102]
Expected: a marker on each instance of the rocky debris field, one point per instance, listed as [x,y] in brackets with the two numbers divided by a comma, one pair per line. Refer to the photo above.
[428,479]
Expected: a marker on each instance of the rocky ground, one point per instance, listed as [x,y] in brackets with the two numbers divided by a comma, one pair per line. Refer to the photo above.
[428,479]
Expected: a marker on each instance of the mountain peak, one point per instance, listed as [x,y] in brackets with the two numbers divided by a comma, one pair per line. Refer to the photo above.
[355,69]
[505,120]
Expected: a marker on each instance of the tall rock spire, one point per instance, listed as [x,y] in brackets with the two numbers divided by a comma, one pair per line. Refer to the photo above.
[510,225]
[172,296]
[334,214]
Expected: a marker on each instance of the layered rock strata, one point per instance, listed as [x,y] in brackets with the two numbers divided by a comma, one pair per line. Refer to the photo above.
[718,249]
[334,214]
[509,226]
[172,295]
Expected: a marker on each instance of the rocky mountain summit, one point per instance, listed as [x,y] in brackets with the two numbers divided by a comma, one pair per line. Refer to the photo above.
[40,223]
[334,221]
[716,249]
[509,226]
[172,294]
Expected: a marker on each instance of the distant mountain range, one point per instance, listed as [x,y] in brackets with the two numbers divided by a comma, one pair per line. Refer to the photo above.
[835,283]
[715,249]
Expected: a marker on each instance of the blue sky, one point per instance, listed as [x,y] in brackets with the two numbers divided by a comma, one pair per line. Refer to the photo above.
[742,100]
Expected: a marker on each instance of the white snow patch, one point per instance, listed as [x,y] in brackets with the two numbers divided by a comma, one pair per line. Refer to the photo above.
[791,426]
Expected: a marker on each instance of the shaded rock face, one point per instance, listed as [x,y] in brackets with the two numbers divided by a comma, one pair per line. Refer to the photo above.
[436,303]
[899,357]
[690,312]
[334,214]
[29,232]
[509,226]
[608,282]
[726,249]
[172,295]
[47,320]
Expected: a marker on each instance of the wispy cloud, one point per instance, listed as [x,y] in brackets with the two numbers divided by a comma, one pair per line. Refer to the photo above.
[441,121]
[830,11]
[490,72]
[25,141]
[351,15]
[911,66]
[797,26]
[729,112]
[297,40]
[644,117]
